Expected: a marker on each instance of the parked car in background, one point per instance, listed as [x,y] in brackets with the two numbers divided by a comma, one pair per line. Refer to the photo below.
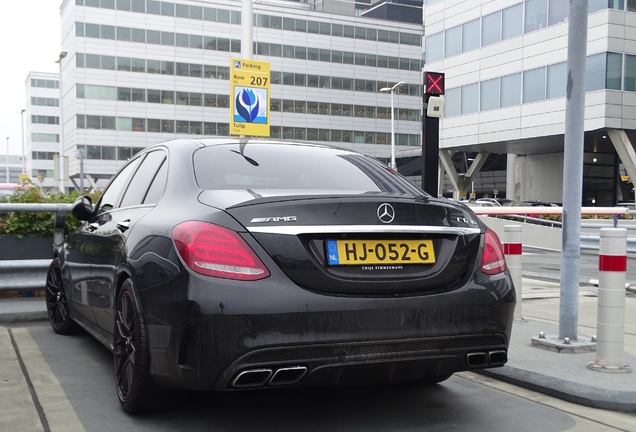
[217,264]
[540,204]
[488,201]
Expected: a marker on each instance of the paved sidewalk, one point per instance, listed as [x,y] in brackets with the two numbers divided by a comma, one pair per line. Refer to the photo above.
[561,374]
[565,374]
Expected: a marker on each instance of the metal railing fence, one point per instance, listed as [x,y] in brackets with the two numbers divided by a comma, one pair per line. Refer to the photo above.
[31,274]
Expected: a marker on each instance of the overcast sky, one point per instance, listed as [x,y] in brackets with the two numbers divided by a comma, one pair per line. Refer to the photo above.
[30,41]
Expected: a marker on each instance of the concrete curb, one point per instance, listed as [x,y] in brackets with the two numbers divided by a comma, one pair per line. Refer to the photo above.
[23,317]
[23,310]
[581,394]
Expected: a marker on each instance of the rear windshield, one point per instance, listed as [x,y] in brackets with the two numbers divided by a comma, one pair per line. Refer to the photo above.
[288,166]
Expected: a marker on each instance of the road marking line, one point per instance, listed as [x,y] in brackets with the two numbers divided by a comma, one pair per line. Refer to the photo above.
[17,411]
[57,408]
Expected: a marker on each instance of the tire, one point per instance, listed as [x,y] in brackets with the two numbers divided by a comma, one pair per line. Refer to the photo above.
[136,390]
[57,302]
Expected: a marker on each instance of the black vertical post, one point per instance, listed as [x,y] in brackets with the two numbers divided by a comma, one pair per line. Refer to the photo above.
[433,86]
[430,151]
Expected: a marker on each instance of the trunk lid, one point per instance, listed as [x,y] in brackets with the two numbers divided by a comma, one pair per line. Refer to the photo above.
[372,244]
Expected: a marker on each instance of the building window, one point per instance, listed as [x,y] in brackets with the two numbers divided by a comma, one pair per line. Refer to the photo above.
[630,73]
[597,5]
[453,41]
[534,85]
[491,28]
[510,90]
[43,137]
[557,76]
[124,94]
[435,47]
[512,21]
[614,71]
[595,72]
[123,63]
[558,11]
[536,15]
[167,126]
[470,35]
[470,98]
[489,94]
[452,102]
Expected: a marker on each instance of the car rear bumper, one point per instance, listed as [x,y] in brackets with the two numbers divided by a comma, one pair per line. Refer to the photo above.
[231,337]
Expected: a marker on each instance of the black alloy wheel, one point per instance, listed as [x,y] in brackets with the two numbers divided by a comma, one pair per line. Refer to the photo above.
[57,302]
[136,390]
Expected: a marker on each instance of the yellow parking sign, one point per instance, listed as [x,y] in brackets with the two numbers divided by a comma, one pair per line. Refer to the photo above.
[249,97]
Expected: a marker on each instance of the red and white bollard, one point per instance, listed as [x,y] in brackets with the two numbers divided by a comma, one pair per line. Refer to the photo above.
[610,320]
[512,250]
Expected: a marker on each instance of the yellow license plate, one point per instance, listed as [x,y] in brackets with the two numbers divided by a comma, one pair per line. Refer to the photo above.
[356,252]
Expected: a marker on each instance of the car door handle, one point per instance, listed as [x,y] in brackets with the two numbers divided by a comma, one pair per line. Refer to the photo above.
[123,225]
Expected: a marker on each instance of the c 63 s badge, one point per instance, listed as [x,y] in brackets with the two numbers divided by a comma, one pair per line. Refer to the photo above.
[466,221]
[271,219]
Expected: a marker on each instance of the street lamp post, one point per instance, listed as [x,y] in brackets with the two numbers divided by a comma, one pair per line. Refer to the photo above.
[7,159]
[61,158]
[23,151]
[392,91]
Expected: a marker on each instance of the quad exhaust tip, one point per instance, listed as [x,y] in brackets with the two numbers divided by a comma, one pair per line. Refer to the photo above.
[288,375]
[485,359]
[497,358]
[252,378]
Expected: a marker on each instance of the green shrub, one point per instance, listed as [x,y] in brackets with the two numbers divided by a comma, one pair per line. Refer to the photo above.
[41,223]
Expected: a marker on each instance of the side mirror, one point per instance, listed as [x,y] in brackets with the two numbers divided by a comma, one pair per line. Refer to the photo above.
[82,209]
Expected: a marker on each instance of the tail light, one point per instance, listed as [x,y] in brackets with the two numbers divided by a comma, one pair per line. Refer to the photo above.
[212,250]
[493,260]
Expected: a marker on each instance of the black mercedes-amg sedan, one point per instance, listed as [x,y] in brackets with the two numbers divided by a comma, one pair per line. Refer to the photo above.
[229,264]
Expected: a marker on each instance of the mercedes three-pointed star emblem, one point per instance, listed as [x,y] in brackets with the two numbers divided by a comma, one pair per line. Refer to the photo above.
[386,213]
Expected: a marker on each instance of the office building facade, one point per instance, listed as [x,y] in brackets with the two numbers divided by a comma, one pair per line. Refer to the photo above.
[41,123]
[137,72]
[506,64]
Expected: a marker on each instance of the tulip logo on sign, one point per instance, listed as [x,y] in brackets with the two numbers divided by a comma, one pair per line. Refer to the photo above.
[247,105]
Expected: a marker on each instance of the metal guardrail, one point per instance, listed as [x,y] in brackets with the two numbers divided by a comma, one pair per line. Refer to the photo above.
[31,274]
[516,210]
[593,242]
[589,241]
[23,274]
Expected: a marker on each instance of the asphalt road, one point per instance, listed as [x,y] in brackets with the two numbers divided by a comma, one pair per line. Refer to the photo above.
[73,390]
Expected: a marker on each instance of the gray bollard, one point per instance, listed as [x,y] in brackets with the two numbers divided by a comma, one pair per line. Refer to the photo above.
[512,250]
[610,327]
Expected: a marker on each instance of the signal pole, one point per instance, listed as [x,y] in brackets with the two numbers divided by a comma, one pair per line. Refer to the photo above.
[433,108]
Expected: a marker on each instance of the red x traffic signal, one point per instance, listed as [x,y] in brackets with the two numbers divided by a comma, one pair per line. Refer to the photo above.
[434,83]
